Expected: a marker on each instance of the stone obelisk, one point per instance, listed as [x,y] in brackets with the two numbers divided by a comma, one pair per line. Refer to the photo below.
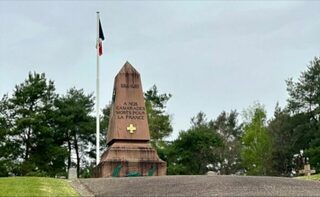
[129,152]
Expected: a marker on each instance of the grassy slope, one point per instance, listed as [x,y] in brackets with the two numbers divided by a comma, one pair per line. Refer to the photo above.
[315,177]
[35,186]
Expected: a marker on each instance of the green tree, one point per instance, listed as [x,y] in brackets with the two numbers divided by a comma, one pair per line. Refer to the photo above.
[196,150]
[256,142]
[227,127]
[76,125]
[305,94]
[304,105]
[199,121]
[104,124]
[32,131]
[159,121]
[8,151]
[281,129]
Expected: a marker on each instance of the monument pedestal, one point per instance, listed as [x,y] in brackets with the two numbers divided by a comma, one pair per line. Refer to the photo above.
[129,152]
[130,159]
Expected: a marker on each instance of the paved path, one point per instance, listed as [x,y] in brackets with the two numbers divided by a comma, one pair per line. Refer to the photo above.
[201,186]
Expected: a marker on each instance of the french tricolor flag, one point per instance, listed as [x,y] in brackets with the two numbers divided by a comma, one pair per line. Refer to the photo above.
[100,39]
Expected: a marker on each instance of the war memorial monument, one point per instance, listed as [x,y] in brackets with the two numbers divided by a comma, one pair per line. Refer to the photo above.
[129,151]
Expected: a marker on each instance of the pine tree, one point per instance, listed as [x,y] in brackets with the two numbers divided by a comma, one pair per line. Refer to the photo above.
[304,106]
[32,113]
[159,122]
[76,125]
[227,127]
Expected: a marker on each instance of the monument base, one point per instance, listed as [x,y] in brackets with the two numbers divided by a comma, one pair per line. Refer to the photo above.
[124,159]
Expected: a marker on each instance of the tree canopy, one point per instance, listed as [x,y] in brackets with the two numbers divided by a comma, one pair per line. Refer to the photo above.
[196,150]
[256,142]
[44,134]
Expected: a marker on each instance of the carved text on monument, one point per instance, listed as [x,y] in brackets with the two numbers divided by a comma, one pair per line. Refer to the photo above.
[131,111]
[129,85]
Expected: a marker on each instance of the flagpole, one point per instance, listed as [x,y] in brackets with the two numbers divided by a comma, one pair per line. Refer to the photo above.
[97,99]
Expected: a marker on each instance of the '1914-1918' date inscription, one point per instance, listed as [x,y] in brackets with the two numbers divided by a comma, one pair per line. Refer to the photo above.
[129,85]
[130,110]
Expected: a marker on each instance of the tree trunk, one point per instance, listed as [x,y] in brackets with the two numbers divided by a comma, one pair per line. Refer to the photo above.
[69,150]
[27,144]
[77,154]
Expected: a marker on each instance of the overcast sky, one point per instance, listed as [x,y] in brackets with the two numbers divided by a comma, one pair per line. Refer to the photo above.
[210,55]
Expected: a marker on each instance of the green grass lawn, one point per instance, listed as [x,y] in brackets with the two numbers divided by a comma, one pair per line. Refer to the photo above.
[35,186]
[315,177]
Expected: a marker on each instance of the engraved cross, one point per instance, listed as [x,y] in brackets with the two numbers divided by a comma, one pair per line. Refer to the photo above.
[131,128]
